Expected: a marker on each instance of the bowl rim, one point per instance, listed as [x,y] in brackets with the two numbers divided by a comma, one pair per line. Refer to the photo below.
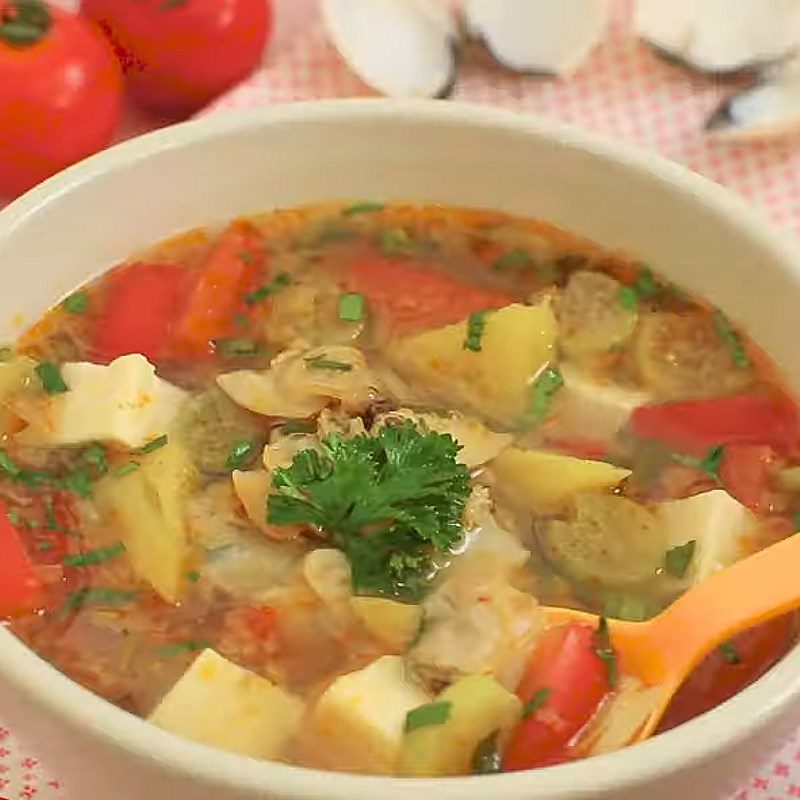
[691,744]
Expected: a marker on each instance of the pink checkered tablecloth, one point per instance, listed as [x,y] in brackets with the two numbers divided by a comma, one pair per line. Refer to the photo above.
[622,91]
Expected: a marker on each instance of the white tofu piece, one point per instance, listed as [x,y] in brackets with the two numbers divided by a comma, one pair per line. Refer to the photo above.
[358,722]
[218,703]
[124,402]
[719,524]
[594,410]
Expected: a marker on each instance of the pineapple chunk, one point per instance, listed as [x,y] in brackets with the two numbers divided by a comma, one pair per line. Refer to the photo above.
[517,342]
[545,482]
[392,623]
[222,704]
[359,721]
[148,507]
[479,707]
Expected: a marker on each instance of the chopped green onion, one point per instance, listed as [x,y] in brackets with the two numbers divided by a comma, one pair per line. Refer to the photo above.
[710,463]
[154,444]
[280,281]
[238,347]
[519,257]
[536,702]
[486,759]
[77,303]
[9,466]
[429,714]
[678,559]
[629,298]
[352,307]
[97,556]
[320,362]
[126,469]
[605,652]
[79,482]
[178,648]
[95,455]
[240,455]
[298,426]
[14,517]
[548,382]
[99,596]
[393,241]
[51,379]
[366,207]
[476,324]
[732,339]
[730,653]
[193,576]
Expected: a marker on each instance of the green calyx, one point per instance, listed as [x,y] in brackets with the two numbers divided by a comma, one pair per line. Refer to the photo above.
[24,22]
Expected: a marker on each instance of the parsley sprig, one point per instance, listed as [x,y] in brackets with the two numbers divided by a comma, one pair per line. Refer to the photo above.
[389,501]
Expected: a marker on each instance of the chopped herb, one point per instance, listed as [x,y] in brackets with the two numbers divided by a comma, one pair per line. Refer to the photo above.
[80,482]
[605,652]
[519,257]
[486,759]
[33,523]
[643,288]
[320,362]
[352,307]
[429,714]
[390,501]
[629,297]
[45,546]
[9,466]
[77,303]
[99,596]
[548,382]
[730,653]
[710,463]
[726,332]
[50,513]
[14,517]
[237,347]
[126,469]
[393,241]
[679,558]
[193,576]
[246,257]
[280,281]
[95,456]
[476,324]
[51,379]
[97,556]
[298,426]
[154,444]
[366,207]
[178,648]
[6,353]
[536,702]
[240,455]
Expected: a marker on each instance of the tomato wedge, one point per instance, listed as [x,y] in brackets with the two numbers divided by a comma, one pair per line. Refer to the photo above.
[746,472]
[228,273]
[693,426]
[566,667]
[414,298]
[20,584]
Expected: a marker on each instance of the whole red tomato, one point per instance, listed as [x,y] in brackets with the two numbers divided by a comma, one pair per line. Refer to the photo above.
[179,55]
[60,92]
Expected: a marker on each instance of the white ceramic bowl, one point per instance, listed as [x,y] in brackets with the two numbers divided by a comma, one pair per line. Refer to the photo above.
[85,219]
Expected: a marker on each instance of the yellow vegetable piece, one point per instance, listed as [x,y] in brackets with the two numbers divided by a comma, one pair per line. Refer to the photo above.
[392,623]
[517,342]
[16,374]
[479,707]
[148,506]
[222,704]
[544,482]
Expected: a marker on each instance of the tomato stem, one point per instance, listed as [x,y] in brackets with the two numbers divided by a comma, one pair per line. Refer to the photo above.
[24,22]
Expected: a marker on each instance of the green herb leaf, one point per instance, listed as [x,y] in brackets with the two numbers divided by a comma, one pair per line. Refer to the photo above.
[476,324]
[629,298]
[45,546]
[486,760]
[154,444]
[99,596]
[643,287]
[429,714]
[732,339]
[280,281]
[393,241]
[240,456]
[77,303]
[352,307]
[193,576]
[390,501]
[97,556]
[605,652]
[126,469]
[679,558]
[366,207]
[9,466]
[514,259]
[536,702]
[6,353]
[95,456]
[14,517]
[80,482]
[542,391]
[179,648]
[320,362]
[50,376]
[710,463]
[298,426]
[239,347]
[730,653]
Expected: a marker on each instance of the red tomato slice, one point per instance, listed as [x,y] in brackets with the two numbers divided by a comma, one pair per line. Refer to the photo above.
[226,276]
[565,664]
[20,584]
[746,471]
[693,426]
[139,309]
[414,298]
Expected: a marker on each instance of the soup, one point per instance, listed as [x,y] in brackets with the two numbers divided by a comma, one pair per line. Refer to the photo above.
[299,488]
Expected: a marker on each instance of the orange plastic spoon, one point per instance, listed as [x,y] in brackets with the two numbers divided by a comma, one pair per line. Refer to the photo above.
[664,650]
